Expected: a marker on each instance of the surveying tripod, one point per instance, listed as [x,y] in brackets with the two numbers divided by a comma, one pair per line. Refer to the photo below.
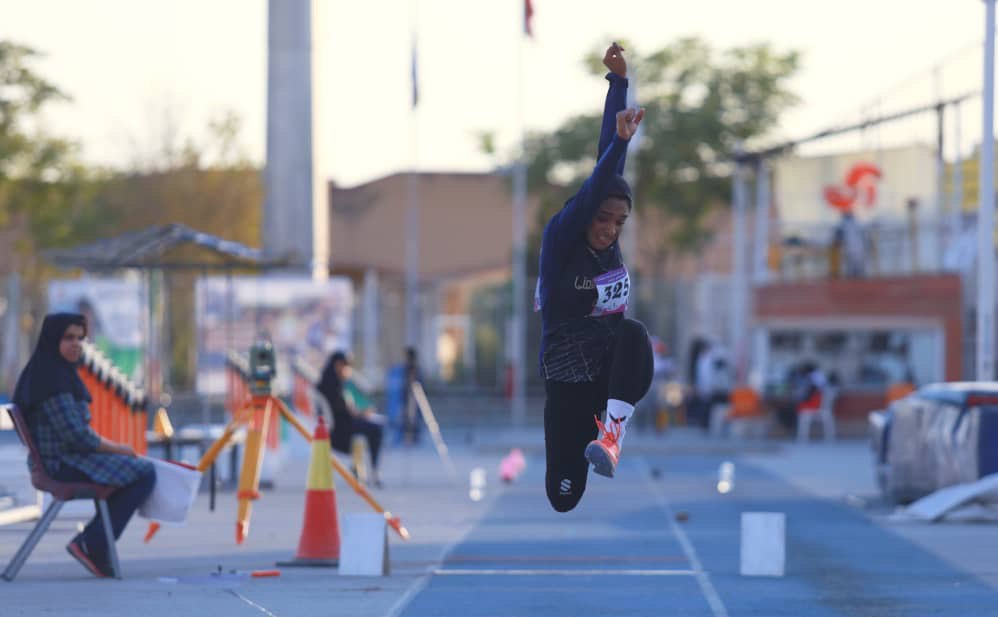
[256,417]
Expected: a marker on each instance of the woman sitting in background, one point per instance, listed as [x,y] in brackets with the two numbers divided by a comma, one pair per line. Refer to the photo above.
[350,417]
[53,400]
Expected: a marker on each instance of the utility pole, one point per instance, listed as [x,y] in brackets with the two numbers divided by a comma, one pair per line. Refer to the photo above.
[986,209]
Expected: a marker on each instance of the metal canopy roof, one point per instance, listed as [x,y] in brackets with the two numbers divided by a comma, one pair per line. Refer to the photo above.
[164,247]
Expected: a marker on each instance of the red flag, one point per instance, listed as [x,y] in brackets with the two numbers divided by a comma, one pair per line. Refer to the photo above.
[528,14]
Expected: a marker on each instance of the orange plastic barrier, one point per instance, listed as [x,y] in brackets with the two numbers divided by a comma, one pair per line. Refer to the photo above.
[299,397]
[118,408]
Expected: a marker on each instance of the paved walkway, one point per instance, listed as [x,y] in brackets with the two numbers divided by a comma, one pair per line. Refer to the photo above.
[621,552]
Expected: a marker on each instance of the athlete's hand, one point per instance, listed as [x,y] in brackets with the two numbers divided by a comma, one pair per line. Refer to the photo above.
[628,121]
[613,59]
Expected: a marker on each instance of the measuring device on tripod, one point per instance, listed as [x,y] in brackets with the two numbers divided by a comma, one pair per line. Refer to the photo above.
[262,367]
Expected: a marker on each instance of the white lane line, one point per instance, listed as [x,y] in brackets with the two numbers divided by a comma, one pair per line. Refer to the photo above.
[409,594]
[703,579]
[251,603]
[543,572]
[424,580]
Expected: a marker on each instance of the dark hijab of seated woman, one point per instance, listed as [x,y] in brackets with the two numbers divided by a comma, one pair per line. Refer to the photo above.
[48,373]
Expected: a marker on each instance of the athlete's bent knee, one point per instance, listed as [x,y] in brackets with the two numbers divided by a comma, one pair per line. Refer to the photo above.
[564,503]
[565,494]
[632,329]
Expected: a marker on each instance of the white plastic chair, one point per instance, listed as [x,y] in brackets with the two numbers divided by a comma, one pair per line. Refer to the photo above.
[825,413]
[718,420]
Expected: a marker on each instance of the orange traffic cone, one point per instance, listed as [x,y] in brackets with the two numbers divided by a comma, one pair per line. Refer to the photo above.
[320,535]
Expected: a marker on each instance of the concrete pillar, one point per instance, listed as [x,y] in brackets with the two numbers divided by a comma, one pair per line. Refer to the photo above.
[10,358]
[295,209]
[371,320]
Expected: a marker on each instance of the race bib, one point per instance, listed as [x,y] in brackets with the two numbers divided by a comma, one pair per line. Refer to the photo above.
[612,289]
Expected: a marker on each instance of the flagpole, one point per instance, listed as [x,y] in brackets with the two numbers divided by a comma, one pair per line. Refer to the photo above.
[412,205]
[739,290]
[518,354]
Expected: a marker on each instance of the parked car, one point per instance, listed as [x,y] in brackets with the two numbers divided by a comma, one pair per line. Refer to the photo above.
[937,436]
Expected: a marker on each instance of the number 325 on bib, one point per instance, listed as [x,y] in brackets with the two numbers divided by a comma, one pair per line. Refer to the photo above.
[612,289]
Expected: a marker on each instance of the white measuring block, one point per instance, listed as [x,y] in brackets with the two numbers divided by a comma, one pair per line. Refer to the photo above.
[365,545]
[763,543]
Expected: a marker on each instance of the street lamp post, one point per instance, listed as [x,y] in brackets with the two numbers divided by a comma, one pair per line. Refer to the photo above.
[986,209]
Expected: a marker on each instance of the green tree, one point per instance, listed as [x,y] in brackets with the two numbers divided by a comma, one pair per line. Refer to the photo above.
[45,193]
[44,190]
[700,105]
[208,184]
[49,198]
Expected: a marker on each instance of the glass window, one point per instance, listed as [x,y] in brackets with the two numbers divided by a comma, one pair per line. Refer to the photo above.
[784,340]
[860,359]
[834,342]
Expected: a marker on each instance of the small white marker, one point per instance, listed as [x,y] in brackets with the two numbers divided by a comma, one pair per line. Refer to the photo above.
[763,550]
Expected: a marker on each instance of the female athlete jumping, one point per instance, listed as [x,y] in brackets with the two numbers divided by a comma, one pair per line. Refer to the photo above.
[592,357]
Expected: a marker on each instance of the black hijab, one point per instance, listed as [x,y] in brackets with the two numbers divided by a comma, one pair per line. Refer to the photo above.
[47,373]
[330,383]
[331,386]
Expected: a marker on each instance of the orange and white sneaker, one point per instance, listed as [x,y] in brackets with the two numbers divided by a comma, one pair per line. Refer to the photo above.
[604,452]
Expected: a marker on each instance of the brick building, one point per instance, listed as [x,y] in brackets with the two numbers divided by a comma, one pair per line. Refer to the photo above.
[871,332]
[465,245]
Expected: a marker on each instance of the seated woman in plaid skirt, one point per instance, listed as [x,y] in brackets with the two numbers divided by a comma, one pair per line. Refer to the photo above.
[54,401]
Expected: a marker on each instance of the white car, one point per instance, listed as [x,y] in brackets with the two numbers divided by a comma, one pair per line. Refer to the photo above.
[940,435]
